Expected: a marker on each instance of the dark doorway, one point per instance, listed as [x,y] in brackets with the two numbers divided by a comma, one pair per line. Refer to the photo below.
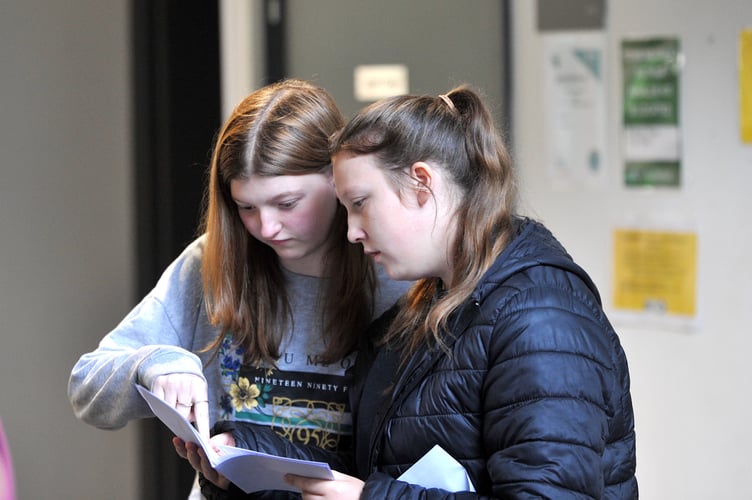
[176,113]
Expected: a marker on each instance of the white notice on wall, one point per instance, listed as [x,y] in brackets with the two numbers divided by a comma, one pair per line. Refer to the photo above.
[377,81]
[575,107]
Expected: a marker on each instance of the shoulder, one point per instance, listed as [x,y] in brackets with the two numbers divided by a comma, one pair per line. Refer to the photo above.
[538,299]
[536,271]
[189,260]
[184,273]
[543,295]
[192,254]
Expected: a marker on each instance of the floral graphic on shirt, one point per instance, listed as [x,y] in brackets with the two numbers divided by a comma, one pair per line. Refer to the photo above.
[244,394]
[225,402]
[231,357]
[230,361]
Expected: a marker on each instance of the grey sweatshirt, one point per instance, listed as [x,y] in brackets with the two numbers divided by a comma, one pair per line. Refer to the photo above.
[164,333]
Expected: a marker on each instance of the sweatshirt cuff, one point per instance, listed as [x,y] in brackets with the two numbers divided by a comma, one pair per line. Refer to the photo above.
[165,360]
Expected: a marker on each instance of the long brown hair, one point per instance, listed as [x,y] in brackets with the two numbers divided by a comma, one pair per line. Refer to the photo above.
[457,132]
[280,129]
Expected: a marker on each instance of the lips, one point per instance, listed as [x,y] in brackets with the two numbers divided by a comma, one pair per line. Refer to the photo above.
[373,254]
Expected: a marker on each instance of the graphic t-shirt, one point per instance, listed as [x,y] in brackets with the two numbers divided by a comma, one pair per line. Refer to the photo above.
[301,398]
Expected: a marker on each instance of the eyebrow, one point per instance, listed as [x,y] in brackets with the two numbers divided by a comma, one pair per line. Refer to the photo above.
[348,192]
[274,199]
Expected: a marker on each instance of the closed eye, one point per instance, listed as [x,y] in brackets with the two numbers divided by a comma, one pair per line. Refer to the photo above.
[288,204]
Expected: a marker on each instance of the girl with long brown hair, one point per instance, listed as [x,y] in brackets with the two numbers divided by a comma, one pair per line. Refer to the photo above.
[257,319]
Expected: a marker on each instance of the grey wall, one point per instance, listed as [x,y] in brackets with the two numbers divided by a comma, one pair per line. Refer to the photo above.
[66,250]
[443,43]
[690,388]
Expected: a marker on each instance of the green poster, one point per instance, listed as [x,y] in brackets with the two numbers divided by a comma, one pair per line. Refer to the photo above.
[652,136]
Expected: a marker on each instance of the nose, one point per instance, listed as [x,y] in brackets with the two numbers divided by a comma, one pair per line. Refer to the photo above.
[354,232]
[270,225]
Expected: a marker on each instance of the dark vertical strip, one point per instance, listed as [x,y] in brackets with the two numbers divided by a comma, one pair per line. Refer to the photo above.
[506,68]
[275,24]
[144,156]
[176,113]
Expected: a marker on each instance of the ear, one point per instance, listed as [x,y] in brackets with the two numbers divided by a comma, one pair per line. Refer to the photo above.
[424,177]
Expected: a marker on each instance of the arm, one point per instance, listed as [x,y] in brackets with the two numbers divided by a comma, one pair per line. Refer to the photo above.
[378,485]
[101,386]
[549,397]
[155,339]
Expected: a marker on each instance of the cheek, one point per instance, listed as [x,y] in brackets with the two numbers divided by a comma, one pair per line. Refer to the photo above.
[309,224]
[251,224]
[299,224]
[382,229]
[400,238]
[319,216]
[386,219]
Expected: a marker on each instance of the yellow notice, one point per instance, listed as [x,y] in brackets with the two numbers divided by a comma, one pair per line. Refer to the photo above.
[655,271]
[745,85]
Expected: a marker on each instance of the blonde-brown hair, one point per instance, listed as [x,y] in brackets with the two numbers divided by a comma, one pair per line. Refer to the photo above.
[457,132]
[281,129]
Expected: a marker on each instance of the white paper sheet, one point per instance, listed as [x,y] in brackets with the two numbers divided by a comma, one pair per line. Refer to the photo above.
[437,469]
[249,470]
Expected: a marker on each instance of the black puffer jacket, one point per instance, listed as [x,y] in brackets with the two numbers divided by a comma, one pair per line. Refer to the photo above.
[534,400]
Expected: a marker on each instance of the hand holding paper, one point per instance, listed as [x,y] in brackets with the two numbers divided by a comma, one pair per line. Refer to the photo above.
[187,393]
[249,470]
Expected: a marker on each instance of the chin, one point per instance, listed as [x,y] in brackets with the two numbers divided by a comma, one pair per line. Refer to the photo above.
[397,275]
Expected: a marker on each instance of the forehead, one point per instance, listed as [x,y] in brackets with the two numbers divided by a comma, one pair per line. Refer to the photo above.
[358,175]
[258,188]
[350,170]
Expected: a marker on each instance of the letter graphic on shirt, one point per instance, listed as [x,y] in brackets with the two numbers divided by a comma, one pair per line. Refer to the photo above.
[303,400]
[308,408]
